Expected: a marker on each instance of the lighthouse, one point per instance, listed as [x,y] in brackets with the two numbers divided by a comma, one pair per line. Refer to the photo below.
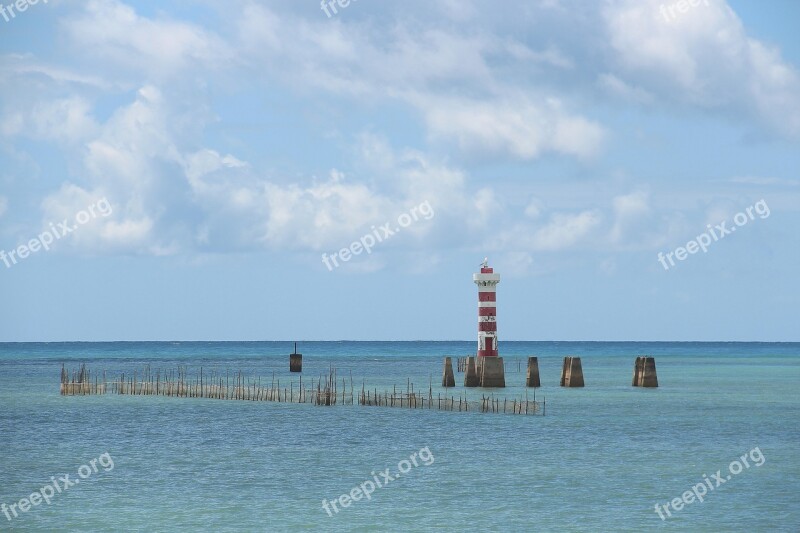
[490,368]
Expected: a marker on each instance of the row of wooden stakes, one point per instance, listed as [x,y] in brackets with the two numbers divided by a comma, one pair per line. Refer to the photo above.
[236,386]
[487,404]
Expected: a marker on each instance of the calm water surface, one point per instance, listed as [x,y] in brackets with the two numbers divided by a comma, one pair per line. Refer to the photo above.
[599,461]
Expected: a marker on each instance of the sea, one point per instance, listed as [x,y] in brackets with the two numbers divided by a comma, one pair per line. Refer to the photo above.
[716,447]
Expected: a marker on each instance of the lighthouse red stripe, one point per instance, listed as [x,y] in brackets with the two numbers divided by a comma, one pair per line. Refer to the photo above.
[487,296]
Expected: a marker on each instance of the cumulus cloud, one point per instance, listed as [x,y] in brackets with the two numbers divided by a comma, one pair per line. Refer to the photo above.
[66,119]
[415,65]
[559,230]
[470,90]
[113,31]
[703,58]
[169,199]
[514,126]
[564,230]
[102,232]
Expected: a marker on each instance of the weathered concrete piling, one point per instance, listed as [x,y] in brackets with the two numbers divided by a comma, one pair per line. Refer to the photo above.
[448,379]
[471,373]
[491,371]
[644,372]
[532,378]
[295,361]
[572,372]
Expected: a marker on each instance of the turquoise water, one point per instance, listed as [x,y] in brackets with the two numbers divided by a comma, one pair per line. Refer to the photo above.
[600,459]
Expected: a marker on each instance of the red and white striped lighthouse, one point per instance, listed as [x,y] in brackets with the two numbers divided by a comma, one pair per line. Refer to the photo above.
[487,282]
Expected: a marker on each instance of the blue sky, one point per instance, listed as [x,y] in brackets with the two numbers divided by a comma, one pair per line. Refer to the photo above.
[236,143]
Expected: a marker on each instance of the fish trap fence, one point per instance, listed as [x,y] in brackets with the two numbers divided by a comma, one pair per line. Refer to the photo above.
[327,390]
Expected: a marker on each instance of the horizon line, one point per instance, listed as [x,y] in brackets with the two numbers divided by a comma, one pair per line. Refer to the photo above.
[384,340]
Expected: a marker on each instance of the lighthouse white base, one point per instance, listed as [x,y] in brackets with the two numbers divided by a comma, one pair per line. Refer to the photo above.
[491,372]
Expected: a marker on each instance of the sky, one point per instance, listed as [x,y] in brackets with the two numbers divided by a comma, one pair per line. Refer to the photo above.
[284,170]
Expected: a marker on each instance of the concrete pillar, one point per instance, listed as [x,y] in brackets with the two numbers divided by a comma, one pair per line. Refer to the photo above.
[649,377]
[471,373]
[532,379]
[492,372]
[448,379]
[644,372]
[295,361]
[572,372]
[637,371]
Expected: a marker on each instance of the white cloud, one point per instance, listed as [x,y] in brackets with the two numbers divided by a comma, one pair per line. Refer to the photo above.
[102,232]
[761,181]
[360,60]
[459,10]
[534,208]
[550,55]
[414,65]
[561,231]
[177,187]
[67,119]
[516,263]
[28,65]
[114,31]
[511,126]
[625,91]
[703,58]
[331,213]
[565,230]
[167,199]
[630,210]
